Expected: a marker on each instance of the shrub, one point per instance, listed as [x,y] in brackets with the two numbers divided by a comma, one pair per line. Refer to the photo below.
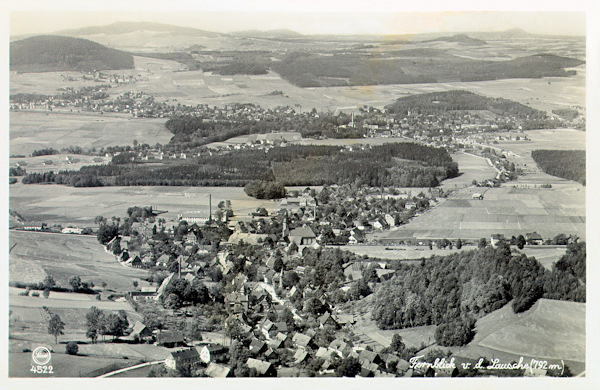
[72,348]
[35,294]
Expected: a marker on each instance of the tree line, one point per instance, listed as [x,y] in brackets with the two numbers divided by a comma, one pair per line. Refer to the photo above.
[453,291]
[292,165]
[568,164]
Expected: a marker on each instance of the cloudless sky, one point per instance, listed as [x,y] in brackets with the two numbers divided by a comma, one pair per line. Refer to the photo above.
[306,17]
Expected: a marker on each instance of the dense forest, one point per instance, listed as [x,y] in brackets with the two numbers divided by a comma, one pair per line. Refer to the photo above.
[458,100]
[397,164]
[47,53]
[453,291]
[306,69]
[568,164]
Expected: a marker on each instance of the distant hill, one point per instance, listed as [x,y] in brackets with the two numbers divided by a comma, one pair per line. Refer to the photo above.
[273,34]
[458,100]
[463,39]
[46,53]
[119,28]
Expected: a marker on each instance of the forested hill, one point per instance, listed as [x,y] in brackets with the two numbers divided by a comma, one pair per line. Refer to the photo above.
[458,100]
[453,291]
[46,53]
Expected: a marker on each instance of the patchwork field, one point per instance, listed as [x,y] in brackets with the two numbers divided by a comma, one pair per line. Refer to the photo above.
[30,131]
[63,256]
[508,211]
[69,205]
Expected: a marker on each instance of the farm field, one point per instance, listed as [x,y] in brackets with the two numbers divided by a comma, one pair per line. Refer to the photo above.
[471,167]
[79,206]
[33,130]
[63,365]
[556,139]
[60,162]
[400,252]
[508,211]
[552,330]
[63,256]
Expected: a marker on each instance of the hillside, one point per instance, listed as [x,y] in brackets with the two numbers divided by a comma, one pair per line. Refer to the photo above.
[119,28]
[458,100]
[462,39]
[47,53]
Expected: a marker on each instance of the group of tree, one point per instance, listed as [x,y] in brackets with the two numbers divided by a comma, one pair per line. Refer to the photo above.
[568,164]
[99,323]
[381,165]
[453,291]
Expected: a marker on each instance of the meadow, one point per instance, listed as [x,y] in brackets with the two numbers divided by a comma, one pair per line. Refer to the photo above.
[64,256]
[79,206]
[33,130]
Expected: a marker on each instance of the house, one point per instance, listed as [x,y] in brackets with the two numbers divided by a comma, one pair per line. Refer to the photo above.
[302,341]
[215,370]
[477,195]
[257,347]
[368,369]
[262,368]
[384,274]
[140,331]
[303,236]
[496,239]
[212,352]
[143,295]
[369,357]
[170,339]
[327,320]
[182,357]
[324,353]
[534,238]
[71,230]
[300,356]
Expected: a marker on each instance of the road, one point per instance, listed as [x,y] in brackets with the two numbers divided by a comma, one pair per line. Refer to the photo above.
[130,368]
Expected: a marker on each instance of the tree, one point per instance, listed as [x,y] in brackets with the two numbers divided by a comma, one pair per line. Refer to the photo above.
[193,328]
[521,241]
[56,327]
[75,282]
[72,348]
[115,325]
[397,344]
[48,282]
[349,367]
[482,243]
[459,244]
[94,323]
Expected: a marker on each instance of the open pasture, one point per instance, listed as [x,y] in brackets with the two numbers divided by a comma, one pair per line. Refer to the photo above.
[550,329]
[30,130]
[79,206]
[508,211]
[63,256]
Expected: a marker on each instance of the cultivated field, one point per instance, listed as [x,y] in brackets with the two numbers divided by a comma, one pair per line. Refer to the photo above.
[400,252]
[30,131]
[508,211]
[471,167]
[60,162]
[79,206]
[63,256]
[547,255]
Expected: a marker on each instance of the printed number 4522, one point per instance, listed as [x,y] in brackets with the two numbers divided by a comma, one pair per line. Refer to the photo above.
[41,369]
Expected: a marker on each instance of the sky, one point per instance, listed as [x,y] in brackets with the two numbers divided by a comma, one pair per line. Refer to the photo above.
[307,17]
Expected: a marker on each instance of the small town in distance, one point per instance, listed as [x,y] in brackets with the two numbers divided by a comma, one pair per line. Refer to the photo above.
[244,207]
